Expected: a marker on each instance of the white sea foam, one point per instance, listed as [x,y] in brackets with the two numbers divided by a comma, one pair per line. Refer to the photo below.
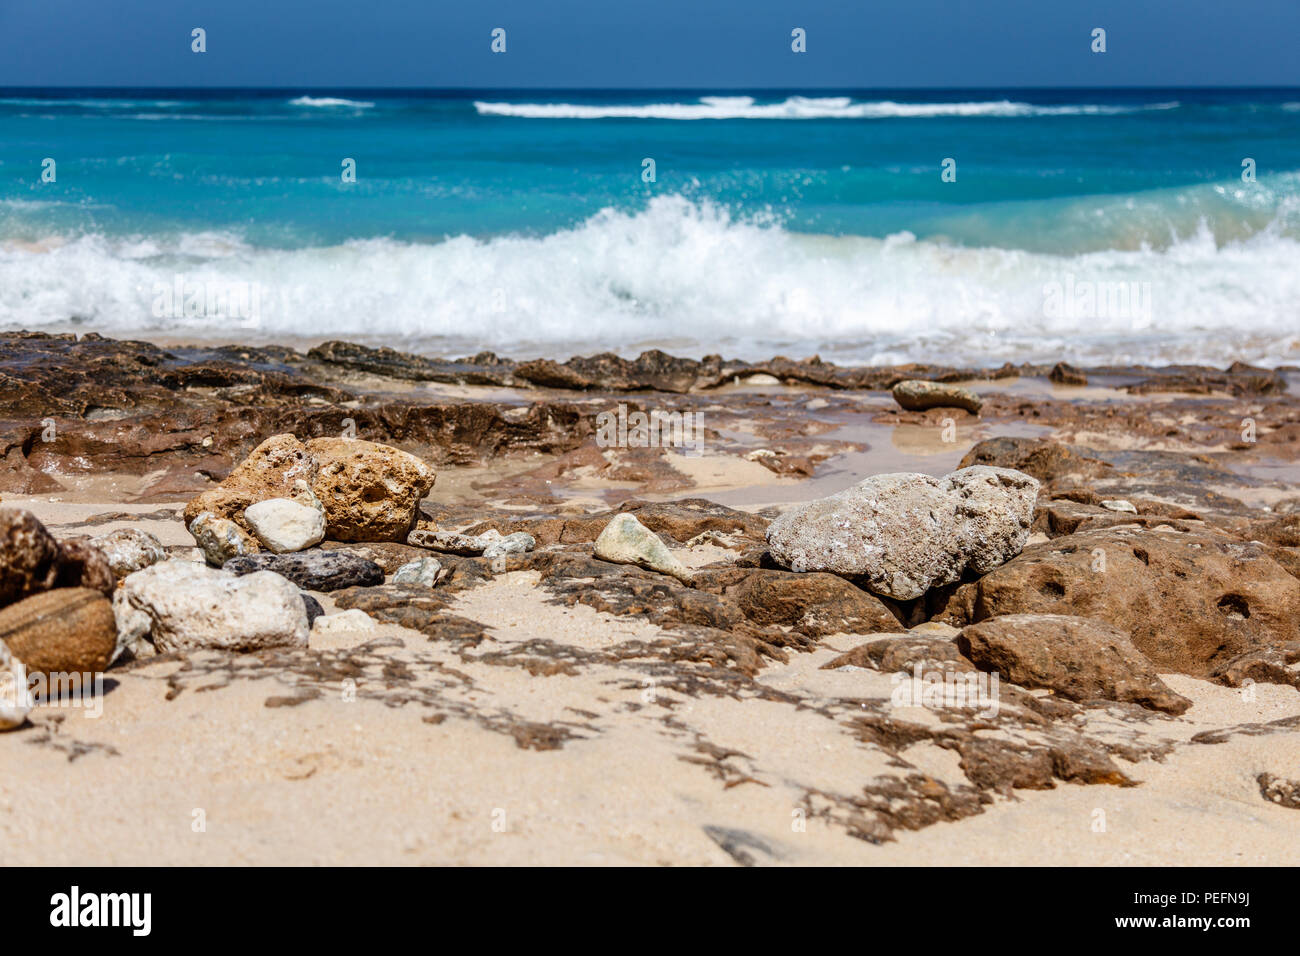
[690,278]
[329,101]
[796,107]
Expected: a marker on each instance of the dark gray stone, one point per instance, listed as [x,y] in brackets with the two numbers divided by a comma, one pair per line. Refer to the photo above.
[314,610]
[313,570]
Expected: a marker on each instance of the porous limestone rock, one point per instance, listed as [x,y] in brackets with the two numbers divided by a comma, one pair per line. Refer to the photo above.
[129,550]
[1079,658]
[220,539]
[184,605]
[489,544]
[270,471]
[901,534]
[1192,602]
[370,492]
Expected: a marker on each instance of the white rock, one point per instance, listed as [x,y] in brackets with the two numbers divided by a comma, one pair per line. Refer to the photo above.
[345,622]
[1119,504]
[285,526]
[422,572]
[518,542]
[902,534]
[183,605]
[15,698]
[129,550]
[627,541]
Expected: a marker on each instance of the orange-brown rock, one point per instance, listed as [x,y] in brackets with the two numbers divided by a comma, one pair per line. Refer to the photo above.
[268,472]
[370,492]
[67,630]
[1190,601]
[1079,658]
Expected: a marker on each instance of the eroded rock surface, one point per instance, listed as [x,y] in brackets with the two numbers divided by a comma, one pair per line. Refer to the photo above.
[181,605]
[269,471]
[313,570]
[902,534]
[1077,657]
[370,491]
[32,560]
[1191,601]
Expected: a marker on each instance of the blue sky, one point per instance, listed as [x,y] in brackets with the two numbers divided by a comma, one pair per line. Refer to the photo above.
[657,43]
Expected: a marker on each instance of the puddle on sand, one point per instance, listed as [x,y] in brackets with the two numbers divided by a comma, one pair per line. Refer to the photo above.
[889,448]
[1282,480]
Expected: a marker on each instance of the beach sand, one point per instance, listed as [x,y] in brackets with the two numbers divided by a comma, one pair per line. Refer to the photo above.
[223,765]
[571,735]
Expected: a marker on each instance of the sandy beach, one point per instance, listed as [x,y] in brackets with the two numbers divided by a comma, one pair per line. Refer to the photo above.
[547,706]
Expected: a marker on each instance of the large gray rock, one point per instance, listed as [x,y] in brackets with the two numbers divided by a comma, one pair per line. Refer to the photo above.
[183,605]
[901,534]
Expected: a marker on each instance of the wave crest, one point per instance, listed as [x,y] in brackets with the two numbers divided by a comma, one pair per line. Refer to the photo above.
[690,277]
[329,101]
[797,107]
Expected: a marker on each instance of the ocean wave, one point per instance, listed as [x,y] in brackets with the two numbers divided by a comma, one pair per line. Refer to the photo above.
[329,101]
[100,103]
[798,107]
[692,278]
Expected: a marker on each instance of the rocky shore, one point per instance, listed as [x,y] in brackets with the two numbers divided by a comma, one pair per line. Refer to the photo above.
[354,605]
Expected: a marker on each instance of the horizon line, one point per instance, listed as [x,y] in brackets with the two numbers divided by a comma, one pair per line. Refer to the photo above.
[645,89]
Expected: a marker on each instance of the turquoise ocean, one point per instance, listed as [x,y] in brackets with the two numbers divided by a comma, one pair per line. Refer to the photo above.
[1112,226]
